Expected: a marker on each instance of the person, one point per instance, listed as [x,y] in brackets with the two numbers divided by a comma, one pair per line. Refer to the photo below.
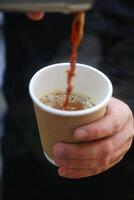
[92,168]
[2,101]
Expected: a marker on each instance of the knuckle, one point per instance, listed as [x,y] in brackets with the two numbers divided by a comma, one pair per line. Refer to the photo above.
[117,125]
[107,148]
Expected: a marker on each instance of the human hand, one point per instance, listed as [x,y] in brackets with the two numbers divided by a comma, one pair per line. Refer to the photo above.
[35,15]
[102,143]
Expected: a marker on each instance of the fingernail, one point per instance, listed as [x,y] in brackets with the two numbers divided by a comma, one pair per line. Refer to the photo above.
[62,172]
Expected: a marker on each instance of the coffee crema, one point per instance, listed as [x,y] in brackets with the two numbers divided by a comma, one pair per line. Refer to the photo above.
[76,101]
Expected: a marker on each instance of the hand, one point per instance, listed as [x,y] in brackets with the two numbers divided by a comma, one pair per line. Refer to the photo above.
[102,143]
[35,15]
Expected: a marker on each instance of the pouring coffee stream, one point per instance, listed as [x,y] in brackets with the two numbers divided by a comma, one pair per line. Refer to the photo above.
[77,33]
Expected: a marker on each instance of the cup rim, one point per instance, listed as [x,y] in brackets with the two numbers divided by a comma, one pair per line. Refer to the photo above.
[64,112]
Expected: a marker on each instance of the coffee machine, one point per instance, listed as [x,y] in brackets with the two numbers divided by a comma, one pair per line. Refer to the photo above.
[64,6]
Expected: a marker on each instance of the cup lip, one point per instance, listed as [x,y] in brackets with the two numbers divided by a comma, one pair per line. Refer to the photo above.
[64,112]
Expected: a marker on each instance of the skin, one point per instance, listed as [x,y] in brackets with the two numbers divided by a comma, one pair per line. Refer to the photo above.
[101,144]
[36,16]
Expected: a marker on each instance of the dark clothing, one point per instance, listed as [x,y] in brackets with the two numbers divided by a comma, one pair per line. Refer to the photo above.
[123,9]
[33,45]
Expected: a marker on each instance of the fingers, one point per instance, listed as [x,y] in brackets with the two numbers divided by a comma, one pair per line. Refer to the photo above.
[117,115]
[82,168]
[94,149]
[75,173]
[101,144]
[35,15]
[81,173]
[93,163]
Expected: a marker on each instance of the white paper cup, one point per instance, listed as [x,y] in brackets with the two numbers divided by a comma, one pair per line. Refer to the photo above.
[59,125]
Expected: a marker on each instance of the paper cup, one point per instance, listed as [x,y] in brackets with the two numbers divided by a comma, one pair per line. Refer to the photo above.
[59,125]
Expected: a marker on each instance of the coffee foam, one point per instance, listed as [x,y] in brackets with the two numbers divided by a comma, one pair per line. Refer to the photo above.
[56,99]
